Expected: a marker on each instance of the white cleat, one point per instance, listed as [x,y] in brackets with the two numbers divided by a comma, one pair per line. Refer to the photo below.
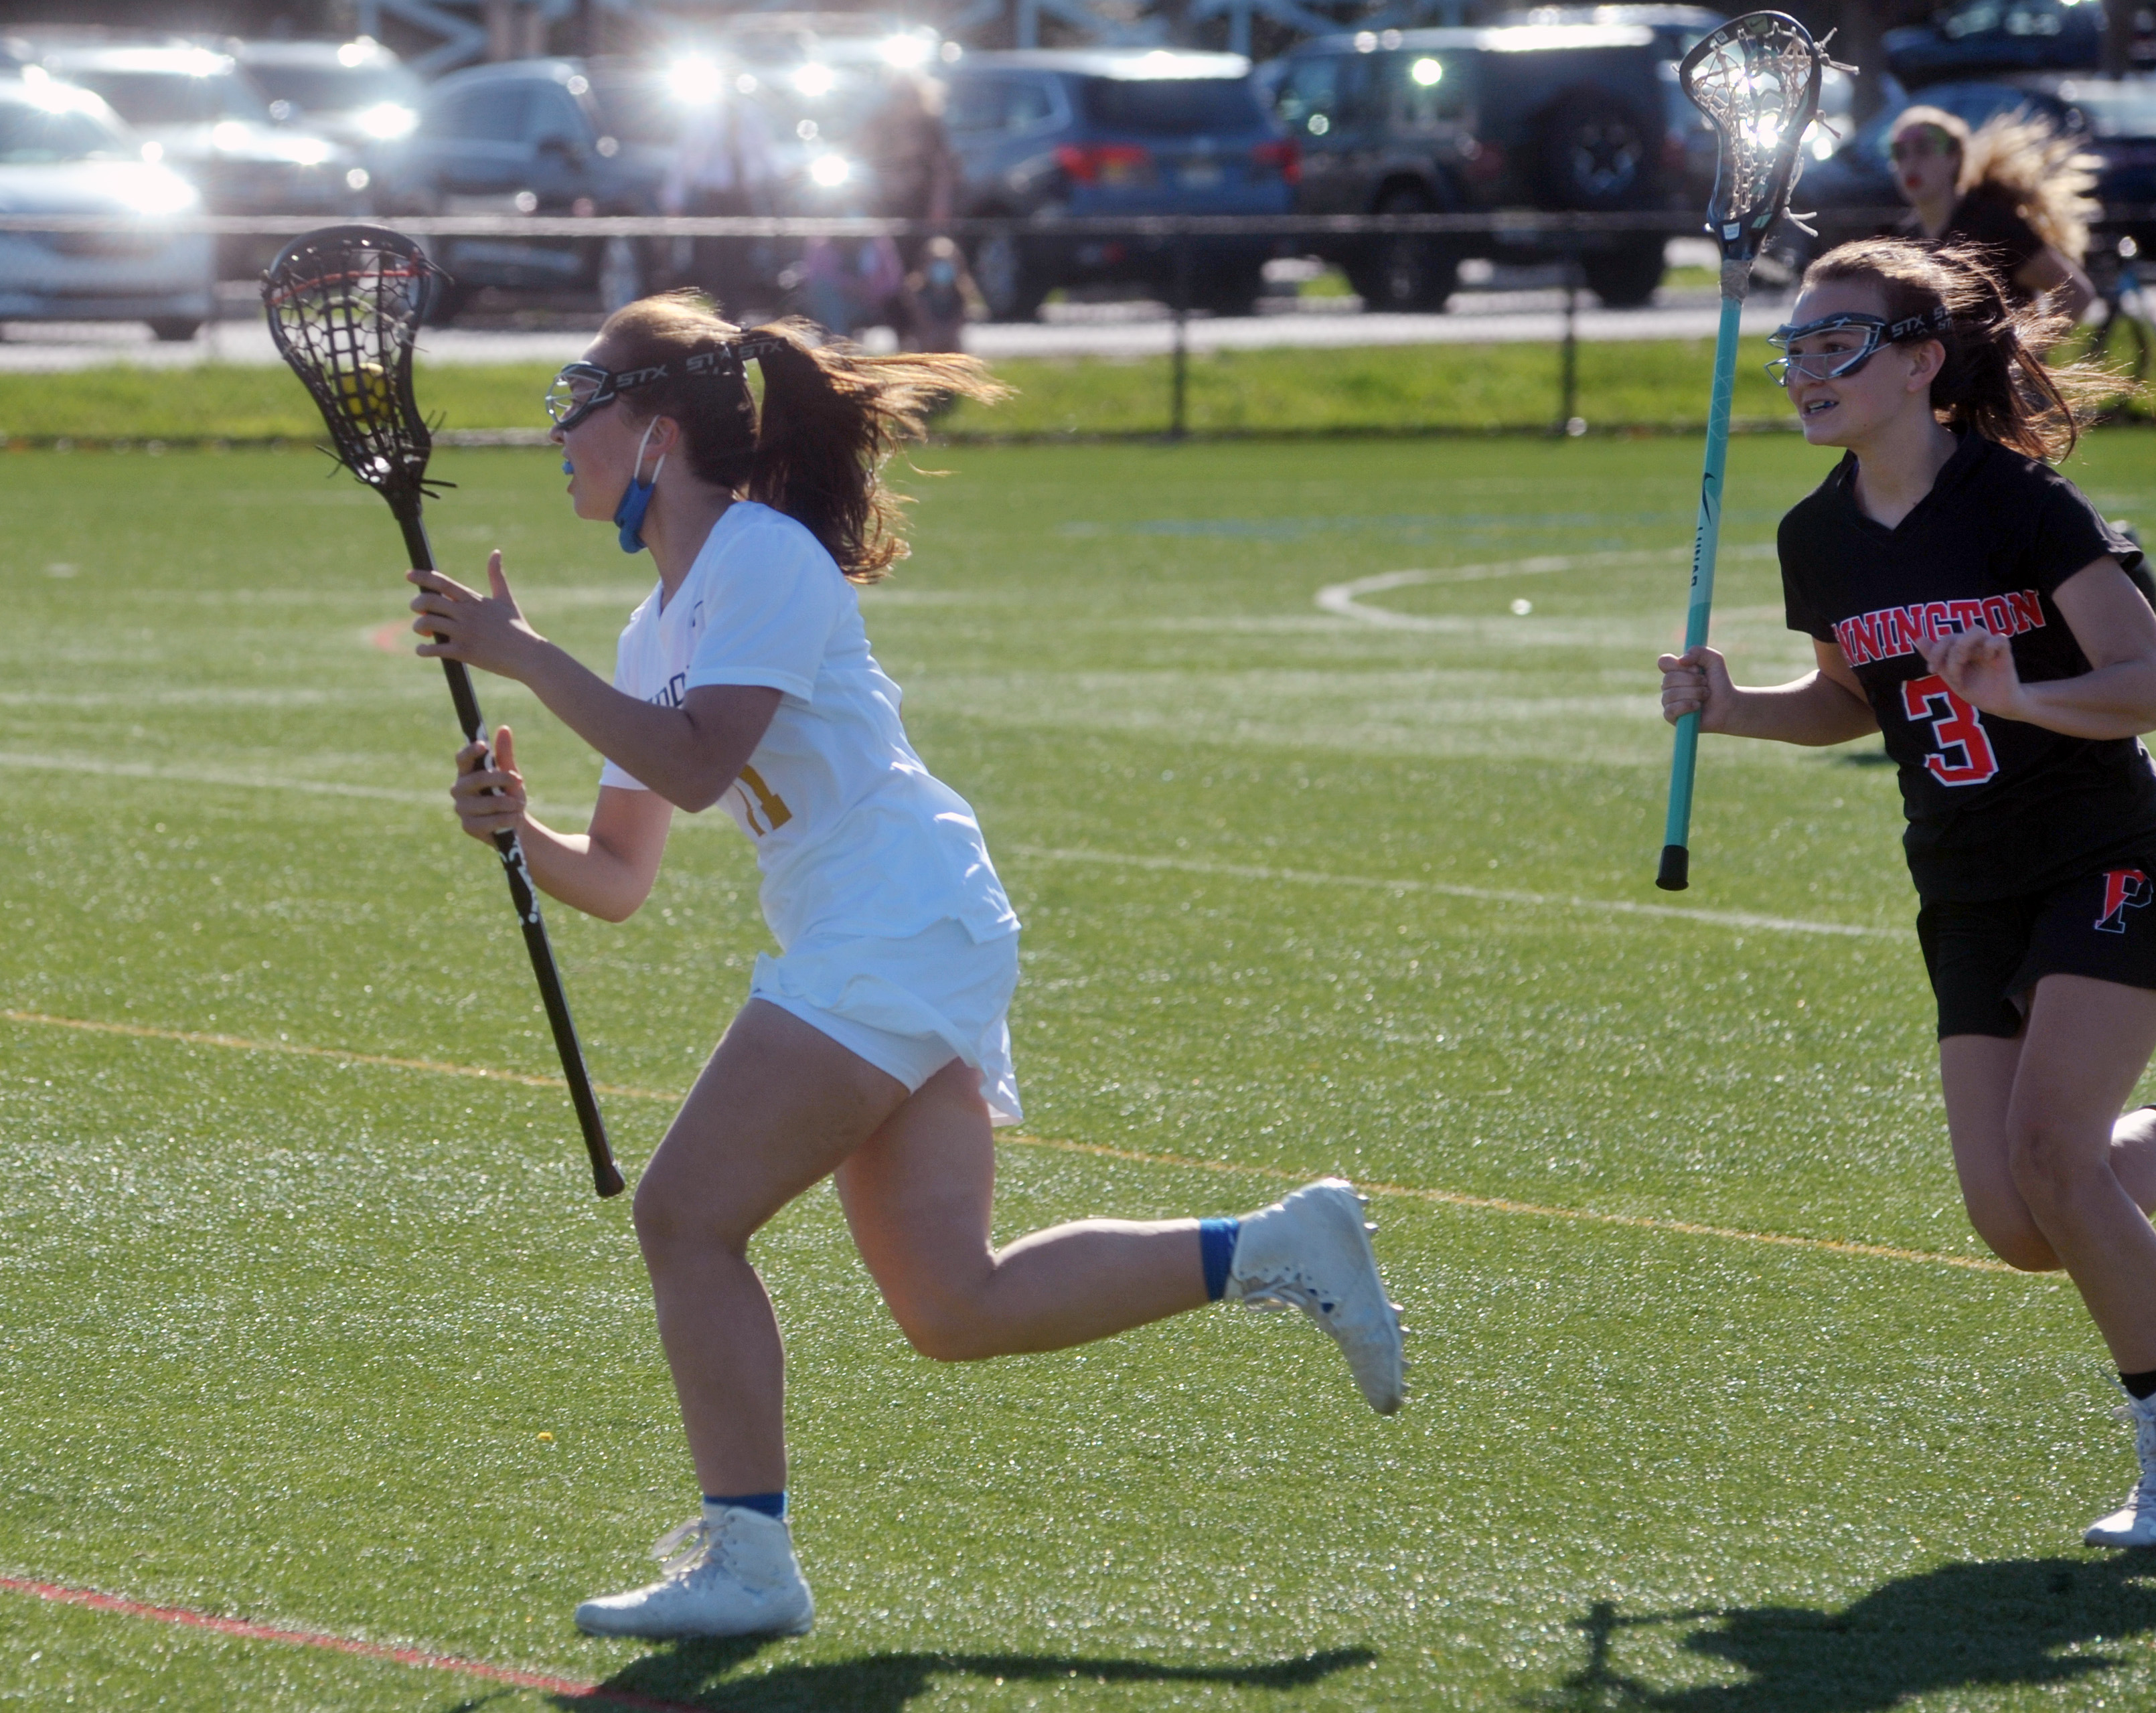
[1311,1251]
[732,1572]
[2133,1524]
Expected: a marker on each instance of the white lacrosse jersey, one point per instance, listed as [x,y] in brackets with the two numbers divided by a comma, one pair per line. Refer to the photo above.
[853,836]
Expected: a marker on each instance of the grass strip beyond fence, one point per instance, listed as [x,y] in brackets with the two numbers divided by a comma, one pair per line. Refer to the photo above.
[1389,389]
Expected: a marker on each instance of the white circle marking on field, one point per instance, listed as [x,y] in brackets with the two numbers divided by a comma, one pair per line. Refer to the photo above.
[1345,600]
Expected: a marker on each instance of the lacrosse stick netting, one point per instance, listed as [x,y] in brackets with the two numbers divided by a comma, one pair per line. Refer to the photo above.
[1757,80]
[345,304]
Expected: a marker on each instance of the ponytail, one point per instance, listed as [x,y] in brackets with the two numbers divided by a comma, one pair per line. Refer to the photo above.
[830,417]
[1995,382]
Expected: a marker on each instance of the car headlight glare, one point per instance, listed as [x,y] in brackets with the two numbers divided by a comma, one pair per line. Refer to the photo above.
[388,121]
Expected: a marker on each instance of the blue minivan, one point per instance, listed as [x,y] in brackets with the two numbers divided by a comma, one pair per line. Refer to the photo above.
[1116,132]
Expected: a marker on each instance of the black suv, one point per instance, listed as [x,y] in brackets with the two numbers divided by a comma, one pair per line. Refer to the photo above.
[1546,117]
[532,136]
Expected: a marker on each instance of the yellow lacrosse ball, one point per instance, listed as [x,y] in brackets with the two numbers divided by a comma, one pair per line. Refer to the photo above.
[365,394]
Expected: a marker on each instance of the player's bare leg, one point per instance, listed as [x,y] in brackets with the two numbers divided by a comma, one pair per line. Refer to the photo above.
[919,1196]
[2086,1044]
[778,1106]
[1977,1072]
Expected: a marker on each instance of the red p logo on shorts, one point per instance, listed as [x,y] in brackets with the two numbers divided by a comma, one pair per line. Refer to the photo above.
[2124,889]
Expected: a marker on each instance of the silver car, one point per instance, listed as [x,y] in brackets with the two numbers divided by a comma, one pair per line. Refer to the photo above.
[63,152]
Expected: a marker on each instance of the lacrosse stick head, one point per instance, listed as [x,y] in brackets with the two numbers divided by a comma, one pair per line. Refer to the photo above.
[1757,80]
[345,304]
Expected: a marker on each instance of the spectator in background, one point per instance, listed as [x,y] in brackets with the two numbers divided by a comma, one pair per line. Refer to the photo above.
[909,155]
[848,284]
[2015,187]
[723,166]
[941,295]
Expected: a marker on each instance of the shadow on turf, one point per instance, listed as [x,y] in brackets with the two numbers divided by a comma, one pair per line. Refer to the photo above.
[886,1683]
[1960,1626]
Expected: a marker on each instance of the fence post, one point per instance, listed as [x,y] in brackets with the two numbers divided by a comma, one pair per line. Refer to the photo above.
[1568,419]
[1177,418]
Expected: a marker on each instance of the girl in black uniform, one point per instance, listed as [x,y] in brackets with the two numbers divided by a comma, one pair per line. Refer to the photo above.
[2016,189]
[1966,601]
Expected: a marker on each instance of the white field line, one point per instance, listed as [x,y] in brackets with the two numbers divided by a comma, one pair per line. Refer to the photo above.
[1344,600]
[1481,895]
[1275,1174]
[101,767]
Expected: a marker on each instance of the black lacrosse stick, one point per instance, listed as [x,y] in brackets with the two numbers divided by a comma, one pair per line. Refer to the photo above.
[345,304]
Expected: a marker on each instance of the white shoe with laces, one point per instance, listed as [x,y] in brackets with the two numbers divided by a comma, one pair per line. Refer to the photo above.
[730,1571]
[1311,1250]
[2133,1524]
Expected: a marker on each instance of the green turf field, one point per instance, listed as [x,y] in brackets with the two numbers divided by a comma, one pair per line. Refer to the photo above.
[1716,1406]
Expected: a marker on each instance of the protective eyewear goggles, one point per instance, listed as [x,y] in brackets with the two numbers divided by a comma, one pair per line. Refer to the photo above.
[1920,140]
[1843,357]
[581,388]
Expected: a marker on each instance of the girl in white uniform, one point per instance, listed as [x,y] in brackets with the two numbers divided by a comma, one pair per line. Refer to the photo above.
[875,1045]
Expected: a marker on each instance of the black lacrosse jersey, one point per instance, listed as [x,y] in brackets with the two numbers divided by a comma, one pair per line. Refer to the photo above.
[1996,808]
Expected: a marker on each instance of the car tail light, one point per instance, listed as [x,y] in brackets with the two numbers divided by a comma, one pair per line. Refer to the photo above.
[1104,163]
[1284,157]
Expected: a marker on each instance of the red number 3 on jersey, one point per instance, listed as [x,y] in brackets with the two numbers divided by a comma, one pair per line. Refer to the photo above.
[1958,728]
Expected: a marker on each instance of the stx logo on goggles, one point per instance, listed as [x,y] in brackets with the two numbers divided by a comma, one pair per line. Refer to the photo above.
[1892,632]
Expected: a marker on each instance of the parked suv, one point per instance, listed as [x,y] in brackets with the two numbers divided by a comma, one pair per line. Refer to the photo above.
[529,136]
[1976,38]
[1549,117]
[1106,132]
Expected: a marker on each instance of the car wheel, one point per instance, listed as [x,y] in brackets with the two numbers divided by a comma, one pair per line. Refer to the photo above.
[621,274]
[174,330]
[450,301]
[1229,288]
[1009,279]
[1594,155]
[1625,277]
[1403,270]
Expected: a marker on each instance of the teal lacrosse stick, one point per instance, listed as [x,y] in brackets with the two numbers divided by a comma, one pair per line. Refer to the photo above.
[1756,79]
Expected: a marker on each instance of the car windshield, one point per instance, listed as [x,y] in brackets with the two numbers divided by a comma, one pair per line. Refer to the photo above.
[2008,18]
[2124,110]
[32,135]
[1172,106]
[335,88]
[173,97]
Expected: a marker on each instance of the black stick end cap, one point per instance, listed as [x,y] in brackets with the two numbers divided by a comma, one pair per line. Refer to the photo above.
[1675,873]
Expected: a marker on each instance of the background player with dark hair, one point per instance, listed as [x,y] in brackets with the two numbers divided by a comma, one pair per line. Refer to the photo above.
[1966,601]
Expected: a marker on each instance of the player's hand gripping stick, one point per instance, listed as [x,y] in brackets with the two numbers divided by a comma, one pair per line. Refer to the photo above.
[1757,81]
[345,304]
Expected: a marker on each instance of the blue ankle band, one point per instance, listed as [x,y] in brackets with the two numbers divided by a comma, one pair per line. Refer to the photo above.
[772,1504]
[1216,1249]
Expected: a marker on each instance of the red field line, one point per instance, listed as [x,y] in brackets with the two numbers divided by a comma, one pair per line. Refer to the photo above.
[597,1695]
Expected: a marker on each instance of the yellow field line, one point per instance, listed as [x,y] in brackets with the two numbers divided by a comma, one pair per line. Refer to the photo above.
[243,1044]
[1274,1174]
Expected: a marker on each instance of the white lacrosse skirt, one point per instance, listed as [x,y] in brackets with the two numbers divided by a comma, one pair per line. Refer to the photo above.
[908,1006]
